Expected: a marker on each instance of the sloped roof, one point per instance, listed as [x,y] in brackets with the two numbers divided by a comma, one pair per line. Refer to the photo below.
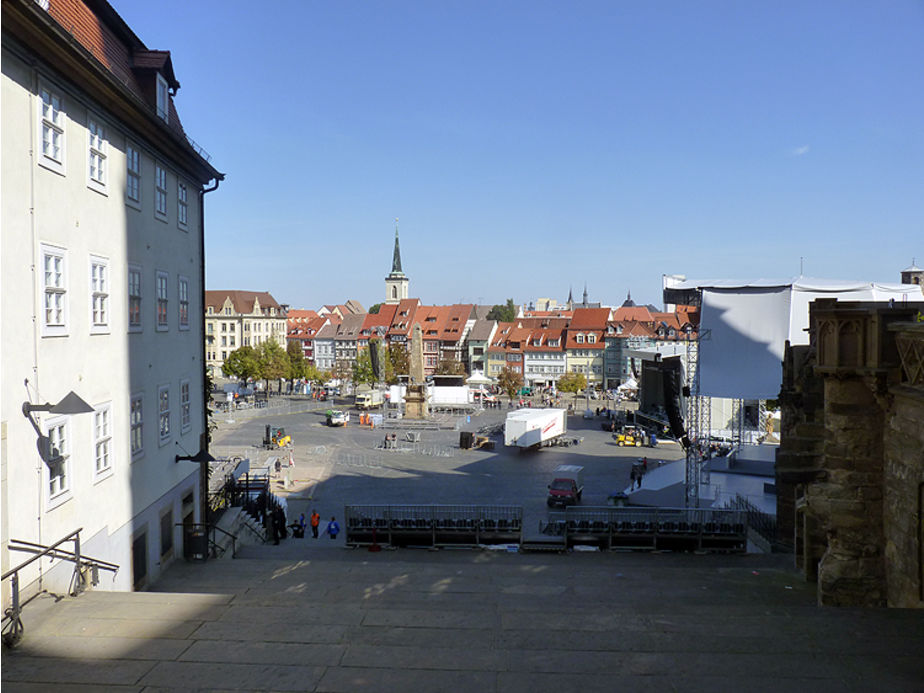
[99,29]
[329,331]
[381,319]
[637,313]
[242,301]
[590,318]
[296,315]
[454,318]
[544,336]
[481,330]
[351,327]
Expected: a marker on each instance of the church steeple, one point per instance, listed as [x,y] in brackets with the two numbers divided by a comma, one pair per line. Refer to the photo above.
[585,294]
[396,260]
[396,282]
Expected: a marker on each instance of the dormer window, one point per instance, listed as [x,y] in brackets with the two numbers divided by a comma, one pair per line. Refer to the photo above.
[579,339]
[591,338]
[163,111]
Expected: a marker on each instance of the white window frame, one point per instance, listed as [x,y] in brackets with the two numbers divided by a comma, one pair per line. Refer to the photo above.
[52,124]
[160,192]
[591,338]
[132,176]
[163,99]
[182,301]
[133,271]
[182,205]
[100,282]
[185,413]
[161,301]
[102,441]
[58,432]
[54,292]
[579,338]
[136,425]
[163,415]
[97,153]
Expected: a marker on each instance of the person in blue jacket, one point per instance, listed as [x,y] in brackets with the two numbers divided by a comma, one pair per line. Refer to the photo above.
[333,529]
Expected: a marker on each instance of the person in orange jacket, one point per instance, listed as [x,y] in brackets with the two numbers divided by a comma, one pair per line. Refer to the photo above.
[315,522]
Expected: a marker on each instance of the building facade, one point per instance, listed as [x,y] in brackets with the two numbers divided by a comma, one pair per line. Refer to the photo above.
[102,263]
[234,319]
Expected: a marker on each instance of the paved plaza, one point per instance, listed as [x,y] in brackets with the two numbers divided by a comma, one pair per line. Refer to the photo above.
[335,467]
[312,615]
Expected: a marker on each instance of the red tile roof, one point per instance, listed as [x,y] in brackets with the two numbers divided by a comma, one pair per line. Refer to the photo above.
[637,313]
[98,28]
[590,318]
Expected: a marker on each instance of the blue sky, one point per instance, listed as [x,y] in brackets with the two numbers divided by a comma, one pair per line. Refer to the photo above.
[531,146]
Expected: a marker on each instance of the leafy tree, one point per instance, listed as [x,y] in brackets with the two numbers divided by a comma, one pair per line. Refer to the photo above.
[450,367]
[342,370]
[374,310]
[572,382]
[398,362]
[242,363]
[362,369]
[510,381]
[274,361]
[315,375]
[503,313]
[298,366]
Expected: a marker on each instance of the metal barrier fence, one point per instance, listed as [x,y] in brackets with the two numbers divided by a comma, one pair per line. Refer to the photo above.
[433,525]
[675,529]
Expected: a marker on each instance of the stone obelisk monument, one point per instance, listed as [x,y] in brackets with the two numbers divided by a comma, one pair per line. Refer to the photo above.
[415,400]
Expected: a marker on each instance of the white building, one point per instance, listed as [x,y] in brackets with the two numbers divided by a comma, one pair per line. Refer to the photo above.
[240,318]
[102,266]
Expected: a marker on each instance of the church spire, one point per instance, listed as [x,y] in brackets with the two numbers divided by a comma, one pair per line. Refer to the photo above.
[585,294]
[396,260]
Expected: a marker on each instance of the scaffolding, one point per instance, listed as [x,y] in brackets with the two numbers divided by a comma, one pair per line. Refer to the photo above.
[699,424]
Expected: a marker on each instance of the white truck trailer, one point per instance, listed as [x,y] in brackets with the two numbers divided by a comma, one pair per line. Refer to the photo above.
[533,428]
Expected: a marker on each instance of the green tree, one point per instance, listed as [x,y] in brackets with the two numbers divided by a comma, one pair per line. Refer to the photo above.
[374,310]
[503,313]
[298,366]
[274,362]
[450,367]
[397,363]
[571,382]
[242,363]
[510,381]
[362,369]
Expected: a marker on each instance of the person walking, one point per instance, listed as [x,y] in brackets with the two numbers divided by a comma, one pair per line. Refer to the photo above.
[333,529]
[315,521]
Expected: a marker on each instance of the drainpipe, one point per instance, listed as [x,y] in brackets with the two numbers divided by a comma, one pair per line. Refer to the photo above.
[33,135]
[203,466]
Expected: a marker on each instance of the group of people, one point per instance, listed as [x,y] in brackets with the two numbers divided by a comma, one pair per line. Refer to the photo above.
[314,520]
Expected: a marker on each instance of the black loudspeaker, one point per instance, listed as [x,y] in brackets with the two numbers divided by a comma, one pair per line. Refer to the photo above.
[375,356]
[466,440]
[672,390]
[686,390]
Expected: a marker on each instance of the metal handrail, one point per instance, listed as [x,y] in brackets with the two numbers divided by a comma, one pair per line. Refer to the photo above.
[214,528]
[13,614]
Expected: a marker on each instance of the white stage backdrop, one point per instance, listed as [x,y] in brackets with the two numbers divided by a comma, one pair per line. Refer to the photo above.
[746,326]
[741,352]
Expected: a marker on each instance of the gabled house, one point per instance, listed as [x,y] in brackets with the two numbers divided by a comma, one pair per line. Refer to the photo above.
[544,360]
[235,318]
[584,343]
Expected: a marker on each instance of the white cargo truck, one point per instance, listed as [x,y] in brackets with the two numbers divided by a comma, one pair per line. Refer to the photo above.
[533,428]
[370,399]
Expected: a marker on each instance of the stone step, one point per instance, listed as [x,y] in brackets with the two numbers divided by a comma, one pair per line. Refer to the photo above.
[350,620]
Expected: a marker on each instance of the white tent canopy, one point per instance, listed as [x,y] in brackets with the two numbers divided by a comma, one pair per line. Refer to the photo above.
[478,378]
[744,327]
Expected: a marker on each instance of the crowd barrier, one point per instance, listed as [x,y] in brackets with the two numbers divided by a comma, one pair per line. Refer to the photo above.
[433,525]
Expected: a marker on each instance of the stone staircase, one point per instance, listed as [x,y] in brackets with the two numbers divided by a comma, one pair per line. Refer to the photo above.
[309,615]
